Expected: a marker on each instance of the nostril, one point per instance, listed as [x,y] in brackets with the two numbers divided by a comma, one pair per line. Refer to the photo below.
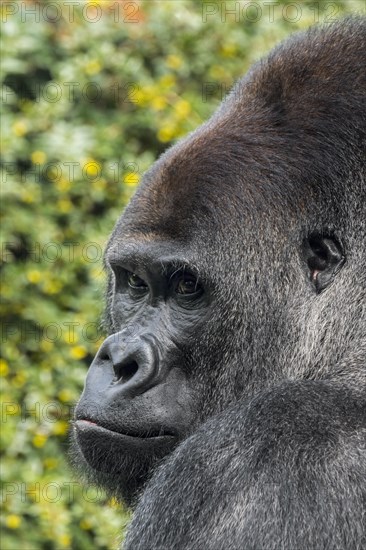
[131,365]
[126,371]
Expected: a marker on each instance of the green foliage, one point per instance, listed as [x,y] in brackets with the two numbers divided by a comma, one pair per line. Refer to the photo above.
[92,94]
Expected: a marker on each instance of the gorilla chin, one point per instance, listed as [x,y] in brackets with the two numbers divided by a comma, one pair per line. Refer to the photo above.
[117,462]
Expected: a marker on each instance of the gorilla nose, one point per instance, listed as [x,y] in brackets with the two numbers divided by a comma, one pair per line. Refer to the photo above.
[135,365]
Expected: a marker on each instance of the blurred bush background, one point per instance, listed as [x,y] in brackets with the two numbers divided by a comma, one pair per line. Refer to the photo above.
[92,93]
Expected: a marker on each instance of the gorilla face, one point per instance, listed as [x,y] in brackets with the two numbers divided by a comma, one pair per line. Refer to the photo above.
[227,267]
[139,399]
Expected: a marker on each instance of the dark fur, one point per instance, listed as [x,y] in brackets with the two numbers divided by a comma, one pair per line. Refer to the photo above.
[275,455]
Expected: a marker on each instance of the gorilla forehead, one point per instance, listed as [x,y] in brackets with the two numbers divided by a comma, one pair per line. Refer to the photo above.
[277,154]
[218,178]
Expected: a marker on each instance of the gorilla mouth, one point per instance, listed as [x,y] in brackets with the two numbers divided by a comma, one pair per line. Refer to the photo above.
[86,425]
[106,450]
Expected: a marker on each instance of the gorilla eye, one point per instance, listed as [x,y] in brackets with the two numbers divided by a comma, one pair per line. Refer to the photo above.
[188,284]
[135,282]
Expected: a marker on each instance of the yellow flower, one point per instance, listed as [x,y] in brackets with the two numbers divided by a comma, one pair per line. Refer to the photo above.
[70,336]
[52,287]
[228,50]
[131,179]
[34,276]
[92,168]
[174,61]
[19,380]
[65,396]
[167,81]
[50,463]
[183,108]
[4,367]
[217,72]
[46,345]
[27,196]
[51,173]
[166,133]
[93,67]
[139,97]
[78,352]
[61,427]
[159,102]
[13,521]
[19,128]
[64,205]
[38,157]
[63,185]
[64,540]
[39,440]
[85,524]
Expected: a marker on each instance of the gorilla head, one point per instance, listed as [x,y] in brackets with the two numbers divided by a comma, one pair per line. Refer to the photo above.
[238,266]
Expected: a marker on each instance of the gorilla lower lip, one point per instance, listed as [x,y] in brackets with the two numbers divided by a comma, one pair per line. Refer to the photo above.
[105,450]
[85,424]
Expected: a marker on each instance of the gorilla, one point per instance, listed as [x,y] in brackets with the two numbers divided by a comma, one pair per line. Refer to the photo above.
[227,406]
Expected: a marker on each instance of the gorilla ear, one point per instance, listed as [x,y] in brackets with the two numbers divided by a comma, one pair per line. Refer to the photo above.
[325,257]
